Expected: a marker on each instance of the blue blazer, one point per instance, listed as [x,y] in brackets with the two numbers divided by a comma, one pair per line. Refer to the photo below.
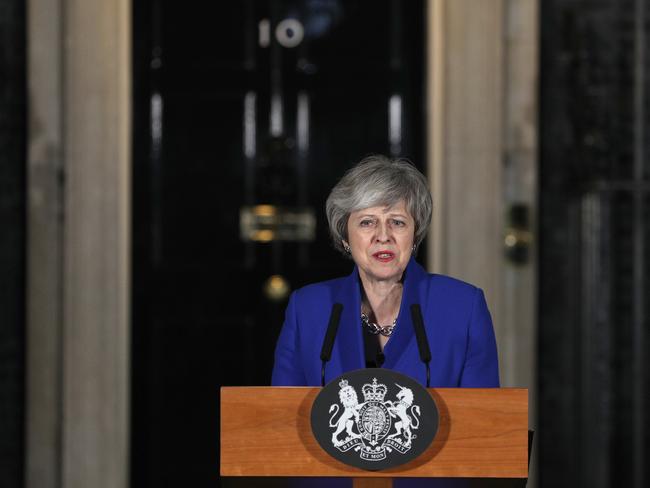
[457,321]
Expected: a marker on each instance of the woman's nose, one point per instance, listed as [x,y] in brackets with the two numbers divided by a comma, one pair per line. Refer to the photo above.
[383,232]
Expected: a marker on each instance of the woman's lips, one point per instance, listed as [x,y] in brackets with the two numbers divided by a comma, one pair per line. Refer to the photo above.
[384,256]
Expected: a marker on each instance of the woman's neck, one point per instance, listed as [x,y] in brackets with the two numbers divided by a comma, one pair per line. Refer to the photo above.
[381,300]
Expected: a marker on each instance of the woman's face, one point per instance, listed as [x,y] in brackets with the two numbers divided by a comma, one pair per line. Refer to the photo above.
[381,241]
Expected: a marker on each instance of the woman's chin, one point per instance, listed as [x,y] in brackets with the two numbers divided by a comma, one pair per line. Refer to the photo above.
[385,273]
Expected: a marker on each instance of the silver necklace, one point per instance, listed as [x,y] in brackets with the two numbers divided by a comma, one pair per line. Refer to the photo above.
[385,330]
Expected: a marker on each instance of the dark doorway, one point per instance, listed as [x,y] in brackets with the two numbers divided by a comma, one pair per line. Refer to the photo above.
[246,111]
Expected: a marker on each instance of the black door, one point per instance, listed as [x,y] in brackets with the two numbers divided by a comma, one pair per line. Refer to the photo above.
[246,114]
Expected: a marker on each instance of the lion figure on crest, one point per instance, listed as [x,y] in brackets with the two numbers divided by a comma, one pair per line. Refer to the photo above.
[401,410]
[350,401]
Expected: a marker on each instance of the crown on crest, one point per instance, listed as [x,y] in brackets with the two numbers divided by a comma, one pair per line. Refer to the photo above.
[374,392]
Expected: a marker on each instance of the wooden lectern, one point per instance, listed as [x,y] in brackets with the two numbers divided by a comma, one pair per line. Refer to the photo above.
[482,433]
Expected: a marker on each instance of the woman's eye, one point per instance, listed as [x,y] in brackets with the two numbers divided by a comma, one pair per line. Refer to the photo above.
[399,223]
[366,223]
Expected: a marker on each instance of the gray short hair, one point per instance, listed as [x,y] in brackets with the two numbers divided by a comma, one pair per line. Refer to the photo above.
[378,180]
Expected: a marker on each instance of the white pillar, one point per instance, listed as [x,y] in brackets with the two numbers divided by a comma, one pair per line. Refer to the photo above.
[465,106]
[482,107]
[79,214]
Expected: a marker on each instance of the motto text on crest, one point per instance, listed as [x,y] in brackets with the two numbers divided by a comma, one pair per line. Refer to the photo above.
[366,427]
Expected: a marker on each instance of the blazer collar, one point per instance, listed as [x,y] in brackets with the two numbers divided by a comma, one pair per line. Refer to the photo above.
[350,340]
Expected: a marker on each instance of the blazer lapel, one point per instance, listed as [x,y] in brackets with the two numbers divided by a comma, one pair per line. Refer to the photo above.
[348,346]
[414,291]
[349,342]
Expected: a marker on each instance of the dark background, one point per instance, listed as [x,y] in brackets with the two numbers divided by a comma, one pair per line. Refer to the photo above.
[200,319]
[13,157]
[594,244]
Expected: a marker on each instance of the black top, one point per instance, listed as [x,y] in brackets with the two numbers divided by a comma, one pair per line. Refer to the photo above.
[374,355]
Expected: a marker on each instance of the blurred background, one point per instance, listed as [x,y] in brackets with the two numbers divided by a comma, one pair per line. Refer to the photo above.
[164,168]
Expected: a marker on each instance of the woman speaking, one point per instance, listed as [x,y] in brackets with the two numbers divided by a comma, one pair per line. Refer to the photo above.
[378,214]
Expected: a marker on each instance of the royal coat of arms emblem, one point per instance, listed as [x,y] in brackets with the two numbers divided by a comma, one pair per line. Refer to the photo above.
[374,419]
[375,426]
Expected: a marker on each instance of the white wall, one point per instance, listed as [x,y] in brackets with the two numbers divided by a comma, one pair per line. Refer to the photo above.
[482,112]
[79,211]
